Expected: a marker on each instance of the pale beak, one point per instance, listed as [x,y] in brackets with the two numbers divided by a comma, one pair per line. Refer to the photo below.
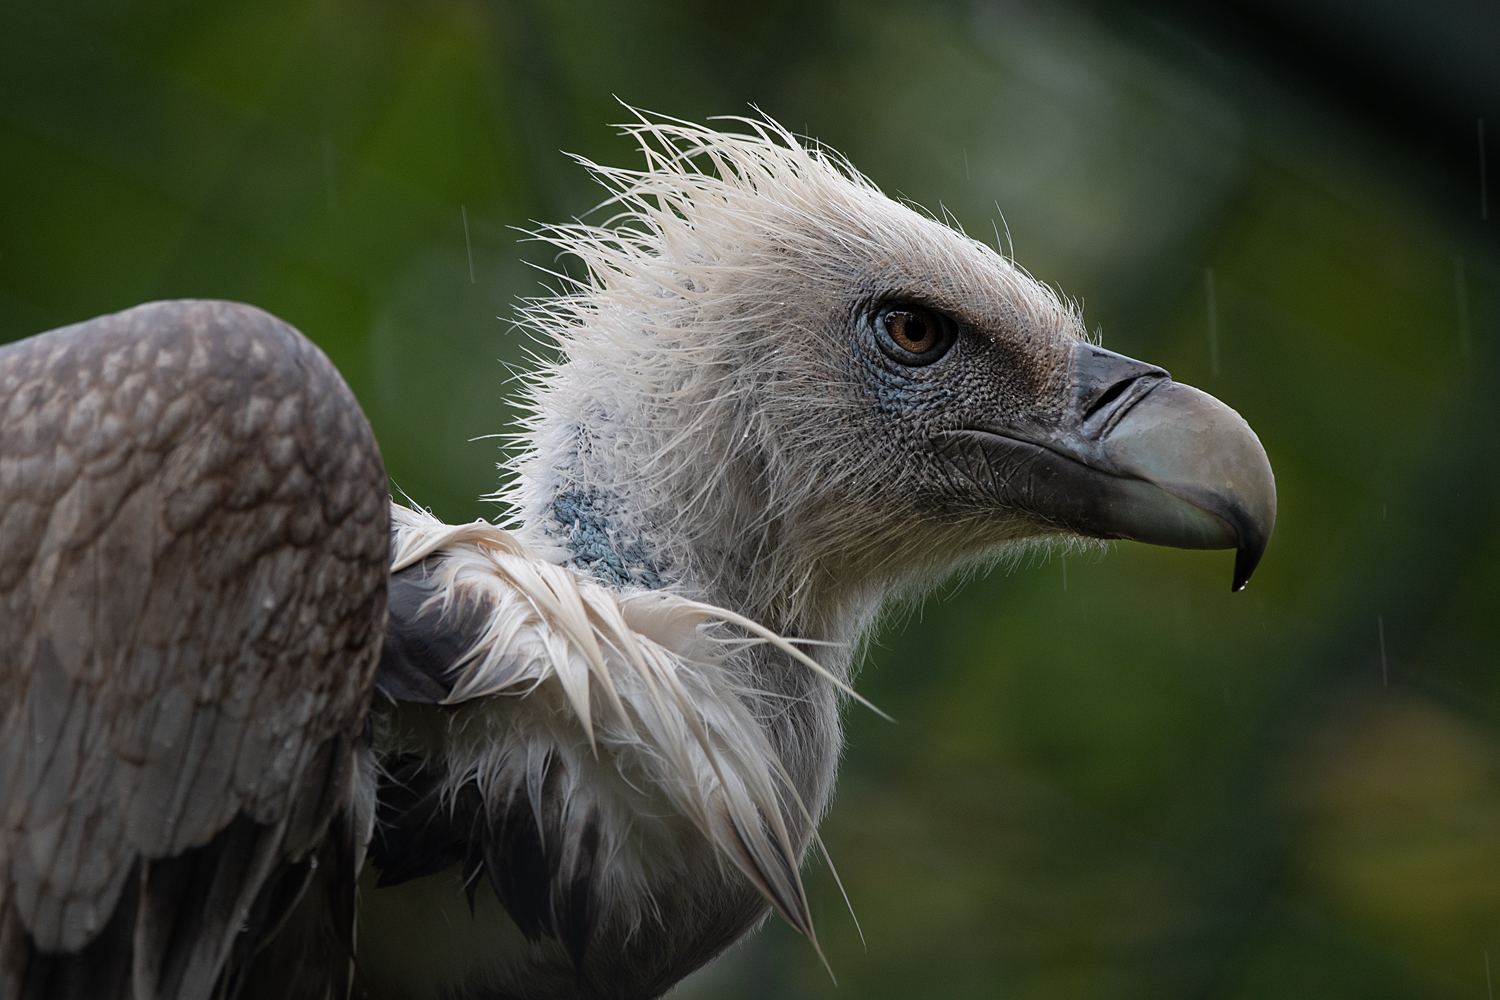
[1136,456]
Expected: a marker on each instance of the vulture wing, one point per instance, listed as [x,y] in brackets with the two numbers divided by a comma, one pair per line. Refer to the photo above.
[193,554]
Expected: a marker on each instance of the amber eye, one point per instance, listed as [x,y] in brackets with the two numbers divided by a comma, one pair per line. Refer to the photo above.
[912,330]
[913,335]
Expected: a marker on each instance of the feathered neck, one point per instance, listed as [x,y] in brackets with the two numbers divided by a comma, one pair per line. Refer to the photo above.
[714,529]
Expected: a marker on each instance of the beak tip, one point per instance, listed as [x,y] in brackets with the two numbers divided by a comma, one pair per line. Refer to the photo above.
[1246,558]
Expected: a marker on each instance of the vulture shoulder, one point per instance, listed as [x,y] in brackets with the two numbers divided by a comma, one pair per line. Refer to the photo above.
[193,559]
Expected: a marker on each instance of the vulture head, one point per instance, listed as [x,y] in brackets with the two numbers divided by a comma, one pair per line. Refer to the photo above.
[787,393]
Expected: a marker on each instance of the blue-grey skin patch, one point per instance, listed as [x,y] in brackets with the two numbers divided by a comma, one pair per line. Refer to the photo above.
[598,547]
[896,393]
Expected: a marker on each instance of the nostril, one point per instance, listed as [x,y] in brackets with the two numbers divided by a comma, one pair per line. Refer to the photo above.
[1109,396]
[1106,384]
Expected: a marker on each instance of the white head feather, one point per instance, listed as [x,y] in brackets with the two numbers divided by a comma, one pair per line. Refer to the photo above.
[704,387]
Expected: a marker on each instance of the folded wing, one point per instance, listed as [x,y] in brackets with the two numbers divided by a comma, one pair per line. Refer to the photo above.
[193,553]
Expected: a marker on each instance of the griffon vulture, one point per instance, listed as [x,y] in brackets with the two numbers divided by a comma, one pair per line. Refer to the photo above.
[579,757]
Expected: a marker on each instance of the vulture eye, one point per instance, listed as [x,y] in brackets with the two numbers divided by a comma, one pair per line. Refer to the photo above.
[913,335]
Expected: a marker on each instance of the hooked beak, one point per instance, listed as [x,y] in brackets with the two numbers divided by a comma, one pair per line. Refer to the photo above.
[1135,456]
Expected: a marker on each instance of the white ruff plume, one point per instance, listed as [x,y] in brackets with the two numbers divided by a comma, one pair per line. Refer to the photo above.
[651,679]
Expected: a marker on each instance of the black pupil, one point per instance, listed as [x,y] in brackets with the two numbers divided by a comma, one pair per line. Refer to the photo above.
[911,331]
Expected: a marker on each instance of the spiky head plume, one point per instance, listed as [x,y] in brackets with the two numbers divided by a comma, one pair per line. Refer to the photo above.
[715,403]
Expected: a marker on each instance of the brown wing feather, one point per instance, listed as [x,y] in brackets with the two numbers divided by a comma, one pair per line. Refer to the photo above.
[193,550]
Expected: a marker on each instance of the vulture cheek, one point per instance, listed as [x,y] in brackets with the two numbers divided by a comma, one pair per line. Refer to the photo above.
[1017,379]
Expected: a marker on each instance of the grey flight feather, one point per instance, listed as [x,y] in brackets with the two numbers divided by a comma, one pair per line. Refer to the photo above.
[193,552]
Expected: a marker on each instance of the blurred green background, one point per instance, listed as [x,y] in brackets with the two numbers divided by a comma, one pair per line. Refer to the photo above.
[1110,777]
